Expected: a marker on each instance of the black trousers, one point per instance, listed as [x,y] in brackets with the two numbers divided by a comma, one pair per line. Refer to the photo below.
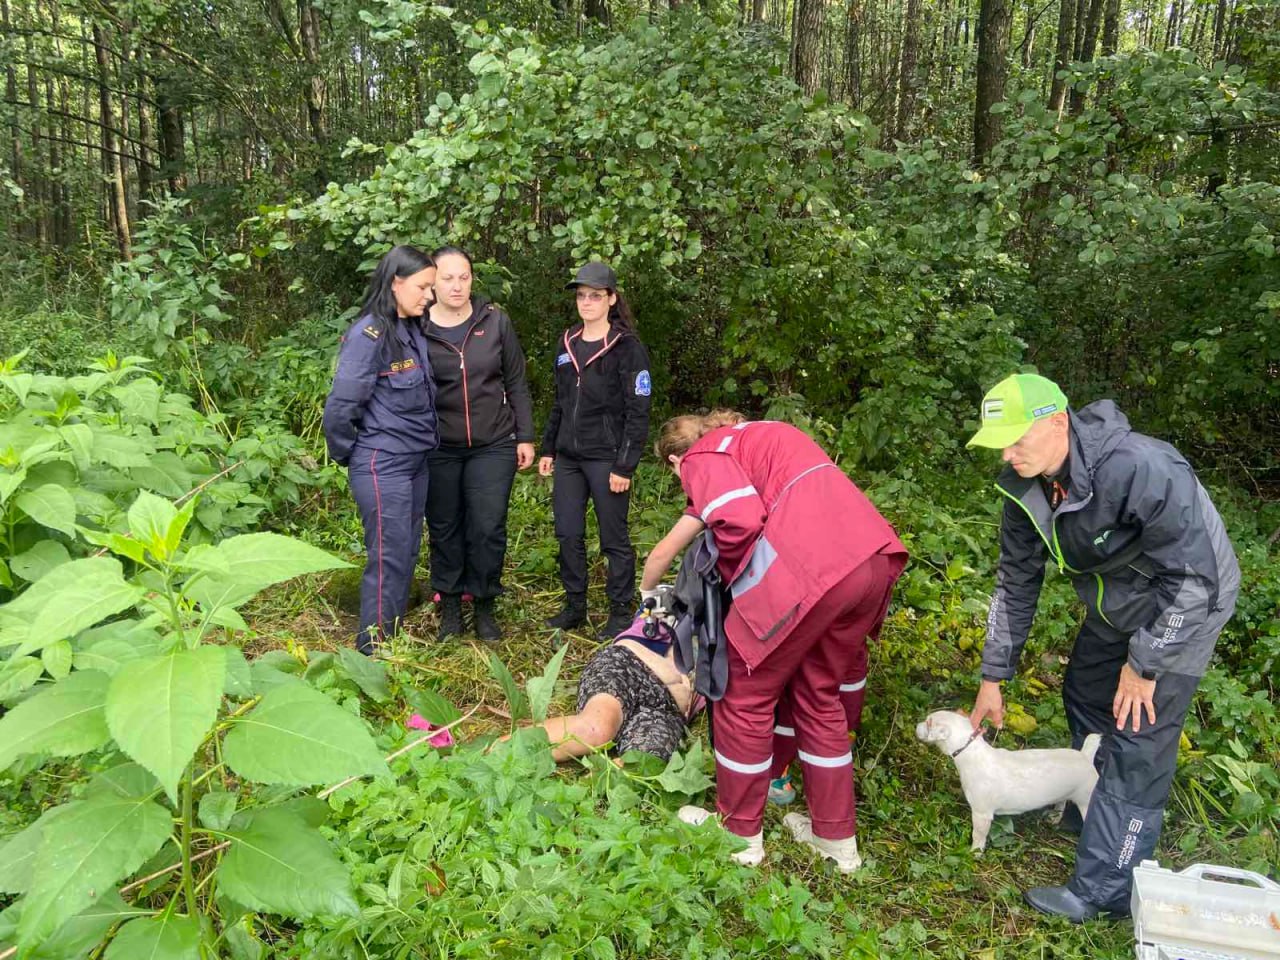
[575,481]
[467,517]
[1135,770]
[390,490]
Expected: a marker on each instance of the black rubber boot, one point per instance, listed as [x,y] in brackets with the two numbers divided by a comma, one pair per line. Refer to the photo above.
[619,619]
[450,616]
[487,628]
[571,616]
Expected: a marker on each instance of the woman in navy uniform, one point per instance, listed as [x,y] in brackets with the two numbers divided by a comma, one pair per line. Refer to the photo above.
[594,439]
[486,432]
[380,422]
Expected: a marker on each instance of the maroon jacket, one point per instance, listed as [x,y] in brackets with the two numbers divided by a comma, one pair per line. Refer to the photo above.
[788,523]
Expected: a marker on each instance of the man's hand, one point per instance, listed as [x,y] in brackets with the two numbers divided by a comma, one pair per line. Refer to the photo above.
[619,484]
[1133,696]
[546,466]
[990,703]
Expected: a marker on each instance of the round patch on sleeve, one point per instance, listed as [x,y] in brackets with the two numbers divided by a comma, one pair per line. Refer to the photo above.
[644,386]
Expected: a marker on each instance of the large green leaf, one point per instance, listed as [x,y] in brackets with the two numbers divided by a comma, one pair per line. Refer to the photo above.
[516,700]
[279,864]
[89,846]
[70,598]
[10,482]
[118,450]
[165,937]
[65,720]
[368,674]
[160,708]
[79,935]
[18,854]
[541,688]
[266,558]
[149,519]
[18,674]
[298,736]
[50,505]
[39,560]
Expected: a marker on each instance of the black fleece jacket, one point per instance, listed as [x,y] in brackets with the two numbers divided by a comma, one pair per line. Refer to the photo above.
[482,395]
[601,411]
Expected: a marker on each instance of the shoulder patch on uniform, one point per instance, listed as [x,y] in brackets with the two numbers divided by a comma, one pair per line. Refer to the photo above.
[563,359]
[371,331]
[644,386]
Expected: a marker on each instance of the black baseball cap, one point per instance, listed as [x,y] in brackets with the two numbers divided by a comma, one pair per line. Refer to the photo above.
[594,274]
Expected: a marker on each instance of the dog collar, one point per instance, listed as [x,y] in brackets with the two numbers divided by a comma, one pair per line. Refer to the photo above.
[972,737]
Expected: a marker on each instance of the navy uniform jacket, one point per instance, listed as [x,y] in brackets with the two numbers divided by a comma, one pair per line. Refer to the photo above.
[383,393]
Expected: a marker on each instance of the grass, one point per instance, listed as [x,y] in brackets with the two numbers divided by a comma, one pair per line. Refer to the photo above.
[921,892]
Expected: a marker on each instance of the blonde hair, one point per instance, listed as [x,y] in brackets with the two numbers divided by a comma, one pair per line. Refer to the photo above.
[680,433]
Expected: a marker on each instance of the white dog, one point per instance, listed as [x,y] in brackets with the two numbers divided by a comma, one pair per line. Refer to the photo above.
[1010,781]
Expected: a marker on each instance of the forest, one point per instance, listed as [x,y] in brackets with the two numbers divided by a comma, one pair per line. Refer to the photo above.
[854,216]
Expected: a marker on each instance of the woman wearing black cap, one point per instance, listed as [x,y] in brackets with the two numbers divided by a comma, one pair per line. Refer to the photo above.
[595,436]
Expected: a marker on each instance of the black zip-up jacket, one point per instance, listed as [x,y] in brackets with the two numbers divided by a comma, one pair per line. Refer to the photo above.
[601,410]
[1137,534]
[482,395]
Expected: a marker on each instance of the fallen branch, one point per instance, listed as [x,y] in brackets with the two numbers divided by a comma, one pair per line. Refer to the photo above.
[169,869]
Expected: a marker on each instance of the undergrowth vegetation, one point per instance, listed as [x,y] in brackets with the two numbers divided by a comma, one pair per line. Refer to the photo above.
[194,763]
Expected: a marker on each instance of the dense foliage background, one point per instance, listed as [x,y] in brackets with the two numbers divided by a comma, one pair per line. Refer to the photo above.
[852,214]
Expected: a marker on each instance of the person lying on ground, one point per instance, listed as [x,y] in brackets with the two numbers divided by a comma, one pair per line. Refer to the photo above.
[631,694]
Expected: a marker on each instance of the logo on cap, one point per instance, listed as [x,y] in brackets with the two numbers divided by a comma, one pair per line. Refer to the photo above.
[992,409]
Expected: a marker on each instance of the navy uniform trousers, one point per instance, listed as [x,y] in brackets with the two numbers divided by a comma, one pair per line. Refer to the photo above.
[390,490]
[1135,770]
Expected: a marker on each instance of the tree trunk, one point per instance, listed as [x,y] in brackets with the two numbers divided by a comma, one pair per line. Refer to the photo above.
[995,19]
[145,186]
[309,31]
[1029,37]
[1111,29]
[111,154]
[1062,59]
[907,78]
[853,54]
[38,169]
[597,10]
[173,142]
[11,94]
[808,44]
[757,11]
[1089,43]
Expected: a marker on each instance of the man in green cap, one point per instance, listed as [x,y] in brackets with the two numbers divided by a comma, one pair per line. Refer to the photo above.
[1124,516]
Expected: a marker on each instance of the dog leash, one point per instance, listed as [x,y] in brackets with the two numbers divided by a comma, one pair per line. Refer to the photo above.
[972,737]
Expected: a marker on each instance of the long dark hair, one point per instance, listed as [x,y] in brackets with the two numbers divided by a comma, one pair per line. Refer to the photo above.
[379,299]
[620,315]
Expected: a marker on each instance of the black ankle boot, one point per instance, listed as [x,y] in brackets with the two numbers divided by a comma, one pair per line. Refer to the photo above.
[571,616]
[619,619]
[450,616]
[487,628]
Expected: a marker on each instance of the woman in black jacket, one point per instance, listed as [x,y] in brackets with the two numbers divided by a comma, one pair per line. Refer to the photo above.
[486,432]
[594,438]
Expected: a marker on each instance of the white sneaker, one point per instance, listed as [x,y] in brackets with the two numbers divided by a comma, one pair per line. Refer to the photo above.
[753,856]
[844,853]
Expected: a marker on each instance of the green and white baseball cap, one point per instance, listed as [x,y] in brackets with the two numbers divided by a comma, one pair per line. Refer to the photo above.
[1013,405]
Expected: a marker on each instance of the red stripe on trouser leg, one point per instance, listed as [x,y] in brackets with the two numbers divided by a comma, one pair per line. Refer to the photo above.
[376,634]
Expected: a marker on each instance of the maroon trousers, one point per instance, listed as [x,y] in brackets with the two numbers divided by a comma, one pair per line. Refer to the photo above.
[803,679]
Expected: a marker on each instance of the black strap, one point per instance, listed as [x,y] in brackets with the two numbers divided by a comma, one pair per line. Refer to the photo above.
[972,737]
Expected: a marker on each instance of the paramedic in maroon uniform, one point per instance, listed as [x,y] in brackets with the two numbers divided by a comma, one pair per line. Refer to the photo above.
[810,565]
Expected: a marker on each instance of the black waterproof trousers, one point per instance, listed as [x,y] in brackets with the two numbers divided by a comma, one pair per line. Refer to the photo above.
[467,517]
[1135,770]
[575,482]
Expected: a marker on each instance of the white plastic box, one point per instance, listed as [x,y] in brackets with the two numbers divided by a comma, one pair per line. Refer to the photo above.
[1205,912]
